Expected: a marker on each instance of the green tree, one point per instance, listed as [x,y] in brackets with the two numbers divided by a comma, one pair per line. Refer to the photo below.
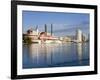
[27,40]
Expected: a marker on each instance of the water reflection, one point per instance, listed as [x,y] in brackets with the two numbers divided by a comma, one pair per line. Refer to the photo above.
[55,55]
[79,52]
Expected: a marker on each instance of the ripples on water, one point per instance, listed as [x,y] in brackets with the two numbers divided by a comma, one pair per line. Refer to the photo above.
[55,55]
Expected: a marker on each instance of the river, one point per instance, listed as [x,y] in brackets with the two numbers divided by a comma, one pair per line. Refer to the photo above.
[55,55]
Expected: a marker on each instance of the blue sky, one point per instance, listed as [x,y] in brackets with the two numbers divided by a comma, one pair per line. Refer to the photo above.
[63,23]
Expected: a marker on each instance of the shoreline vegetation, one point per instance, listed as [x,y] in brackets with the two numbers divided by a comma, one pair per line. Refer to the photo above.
[27,40]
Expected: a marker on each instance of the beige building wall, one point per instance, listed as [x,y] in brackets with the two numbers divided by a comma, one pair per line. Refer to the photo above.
[79,35]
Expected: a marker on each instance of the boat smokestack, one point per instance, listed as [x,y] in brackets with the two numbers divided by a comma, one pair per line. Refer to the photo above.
[45,28]
[51,29]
